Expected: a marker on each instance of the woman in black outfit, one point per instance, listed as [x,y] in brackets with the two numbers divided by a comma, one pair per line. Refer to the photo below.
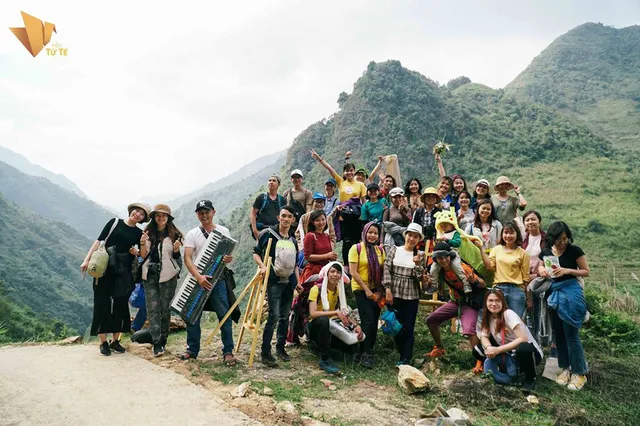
[111,292]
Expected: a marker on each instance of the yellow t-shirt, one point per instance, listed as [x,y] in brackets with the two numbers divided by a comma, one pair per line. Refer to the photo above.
[510,266]
[363,264]
[332,296]
[350,189]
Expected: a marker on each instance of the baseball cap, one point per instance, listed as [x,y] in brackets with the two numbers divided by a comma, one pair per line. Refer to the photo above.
[319,196]
[373,186]
[483,182]
[204,204]
[332,181]
[297,172]
[396,191]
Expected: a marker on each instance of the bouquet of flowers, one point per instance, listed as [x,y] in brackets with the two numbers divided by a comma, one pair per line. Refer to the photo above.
[441,147]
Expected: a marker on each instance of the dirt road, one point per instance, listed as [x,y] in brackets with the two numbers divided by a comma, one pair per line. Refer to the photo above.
[75,385]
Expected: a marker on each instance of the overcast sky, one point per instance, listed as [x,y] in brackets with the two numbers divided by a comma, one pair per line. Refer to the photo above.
[158,99]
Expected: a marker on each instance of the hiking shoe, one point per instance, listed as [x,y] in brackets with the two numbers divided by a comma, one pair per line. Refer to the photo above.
[104,349]
[563,378]
[479,368]
[158,349]
[367,360]
[328,366]
[577,382]
[436,352]
[269,360]
[117,347]
[467,288]
[529,385]
[283,355]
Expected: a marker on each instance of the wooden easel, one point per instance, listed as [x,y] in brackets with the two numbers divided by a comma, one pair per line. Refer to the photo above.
[252,319]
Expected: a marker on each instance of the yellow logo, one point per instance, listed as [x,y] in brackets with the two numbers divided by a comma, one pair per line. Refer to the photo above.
[35,35]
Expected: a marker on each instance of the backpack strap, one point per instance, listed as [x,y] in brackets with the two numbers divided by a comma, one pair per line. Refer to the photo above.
[205,233]
[115,223]
[265,200]
[274,233]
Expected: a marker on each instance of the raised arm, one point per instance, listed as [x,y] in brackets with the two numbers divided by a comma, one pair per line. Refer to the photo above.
[326,165]
[376,169]
[440,166]
[522,203]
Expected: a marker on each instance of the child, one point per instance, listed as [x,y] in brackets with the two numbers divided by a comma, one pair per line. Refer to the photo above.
[447,232]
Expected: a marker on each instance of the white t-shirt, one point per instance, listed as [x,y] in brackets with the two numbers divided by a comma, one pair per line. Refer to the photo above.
[533,250]
[403,258]
[196,240]
[511,320]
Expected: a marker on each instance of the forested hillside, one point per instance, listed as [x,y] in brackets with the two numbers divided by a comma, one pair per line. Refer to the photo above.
[592,74]
[53,202]
[40,270]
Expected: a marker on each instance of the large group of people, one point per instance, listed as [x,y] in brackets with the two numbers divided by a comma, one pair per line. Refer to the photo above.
[469,244]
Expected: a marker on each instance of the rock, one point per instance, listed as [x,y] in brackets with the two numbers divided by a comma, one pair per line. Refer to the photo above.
[241,391]
[267,391]
[333,388]
[287,407]
[432,366]
[71,340]
[177,323]
[533,399]
[326,382]
[308,421]
[412,380]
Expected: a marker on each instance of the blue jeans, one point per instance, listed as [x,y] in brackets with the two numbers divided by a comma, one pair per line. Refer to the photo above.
[511,368]
[516,298]
[220,302]
[568,345]
[140,319]
[279,296]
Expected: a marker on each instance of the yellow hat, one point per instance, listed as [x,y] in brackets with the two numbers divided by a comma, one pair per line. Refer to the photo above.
[429,191]
[161,208]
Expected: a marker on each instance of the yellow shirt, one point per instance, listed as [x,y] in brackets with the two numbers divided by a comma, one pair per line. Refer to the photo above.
[350,189]
[511,266]
[363,264]
[332,297]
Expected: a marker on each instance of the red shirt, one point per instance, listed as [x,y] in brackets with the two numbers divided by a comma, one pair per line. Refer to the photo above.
[315,243]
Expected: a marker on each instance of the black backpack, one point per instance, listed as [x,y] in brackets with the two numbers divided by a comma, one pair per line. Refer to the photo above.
[298,208]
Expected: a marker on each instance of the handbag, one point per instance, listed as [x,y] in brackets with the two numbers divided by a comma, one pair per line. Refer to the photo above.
[390,324]
[346,334]
[137,298]
[100,258]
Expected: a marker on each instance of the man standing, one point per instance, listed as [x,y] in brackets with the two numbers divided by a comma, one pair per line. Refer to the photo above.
[266,207]
[332,198]
[194,242]
[299,197]
[283,277]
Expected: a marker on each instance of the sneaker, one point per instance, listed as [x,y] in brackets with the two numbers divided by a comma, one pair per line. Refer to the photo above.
[283,355]
[467,288]
[328,366]
[403,362]
[117,347]
[158,349]
[367,360]
[104,349]
[269,360]
[563,378]
[577,382]
[436,352]
[479,368]
[357,357]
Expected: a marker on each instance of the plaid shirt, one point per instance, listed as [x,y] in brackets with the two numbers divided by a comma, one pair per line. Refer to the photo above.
[404,282]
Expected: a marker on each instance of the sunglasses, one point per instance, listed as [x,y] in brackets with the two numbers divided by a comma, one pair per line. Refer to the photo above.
[494,290]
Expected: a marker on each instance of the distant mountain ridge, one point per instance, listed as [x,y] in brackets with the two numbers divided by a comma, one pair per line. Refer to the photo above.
[52,201]
[25,166]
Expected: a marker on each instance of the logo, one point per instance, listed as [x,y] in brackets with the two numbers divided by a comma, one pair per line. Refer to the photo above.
[35,35]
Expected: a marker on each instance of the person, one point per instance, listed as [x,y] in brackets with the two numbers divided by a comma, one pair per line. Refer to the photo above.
[454,185]
[318,246]
[534,240]
[280,284]
[331,200]
[458,306]
[480,192]
[375,206]
[506,344]
[348,186]
[194,243]
[365,263]
[485,226]
[465,214]
[111,291]
[160,247]
[567,302]
[506,206]
[413,192]
[459,185]
[361,174]
[388,183]
[395,219]
[511,264]
[329,301]
[319,200]
[444,192]
[425,216]
[299,197]
[447,233]
[265,208]
[402,277]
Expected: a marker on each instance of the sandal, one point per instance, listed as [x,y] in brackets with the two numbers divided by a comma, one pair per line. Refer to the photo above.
[186,356]
[229,360]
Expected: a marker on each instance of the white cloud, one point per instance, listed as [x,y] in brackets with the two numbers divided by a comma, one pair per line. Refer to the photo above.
[195,90]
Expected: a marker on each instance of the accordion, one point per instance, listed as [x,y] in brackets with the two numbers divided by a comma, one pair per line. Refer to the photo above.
[189,300]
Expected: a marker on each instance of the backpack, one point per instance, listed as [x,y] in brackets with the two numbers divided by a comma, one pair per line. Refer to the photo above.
[298,208]
[286,255]
[100,258]
[265,201]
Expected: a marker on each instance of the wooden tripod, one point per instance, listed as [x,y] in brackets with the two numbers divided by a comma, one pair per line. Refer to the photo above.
[252,320]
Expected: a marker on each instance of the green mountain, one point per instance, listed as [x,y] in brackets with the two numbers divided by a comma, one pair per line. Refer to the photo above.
[558,164]
[592,74]
[40,261]
[53,202]
[25,166]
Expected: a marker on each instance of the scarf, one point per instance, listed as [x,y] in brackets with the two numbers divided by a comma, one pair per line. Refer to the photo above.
[375,271]
[342,297]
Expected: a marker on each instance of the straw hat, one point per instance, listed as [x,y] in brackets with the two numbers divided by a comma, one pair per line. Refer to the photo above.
[414,227]
[501,180]
[161,208]
[429,191]
[142,206]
